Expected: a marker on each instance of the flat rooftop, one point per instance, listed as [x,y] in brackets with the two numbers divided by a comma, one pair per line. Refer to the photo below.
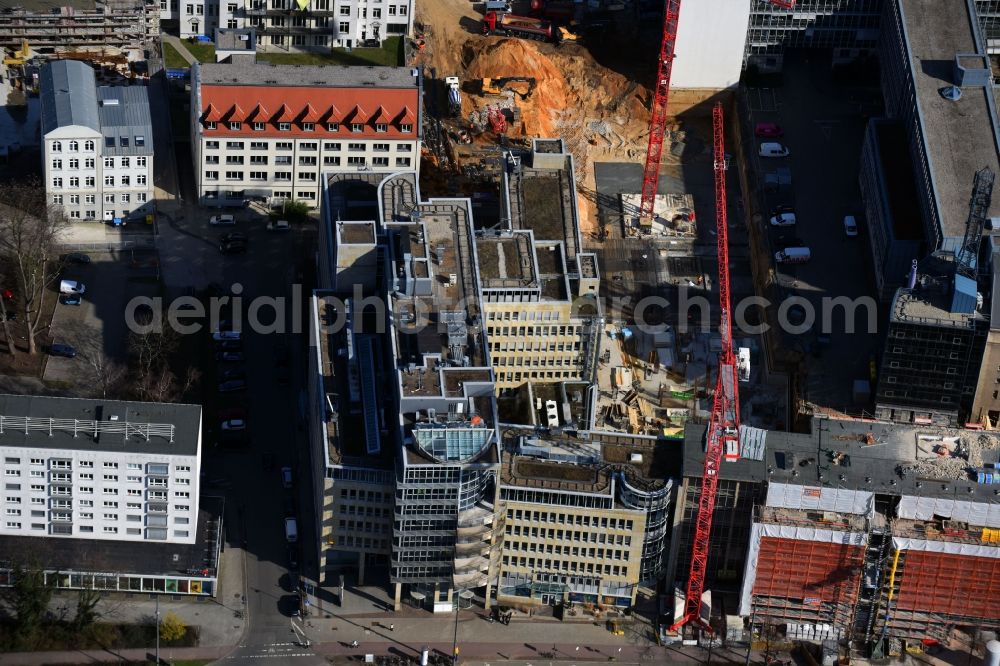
[506,262]
[887,458]
[324,76]
[242,39]
[931,306]
[68,554]
[959,136]
[99,425]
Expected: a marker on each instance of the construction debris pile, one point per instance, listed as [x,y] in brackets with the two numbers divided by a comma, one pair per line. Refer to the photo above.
[950,458]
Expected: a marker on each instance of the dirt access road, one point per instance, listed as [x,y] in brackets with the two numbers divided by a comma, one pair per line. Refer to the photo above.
[451,23]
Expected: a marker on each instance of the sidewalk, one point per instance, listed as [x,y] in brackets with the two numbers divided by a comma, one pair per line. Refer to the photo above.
[178,44]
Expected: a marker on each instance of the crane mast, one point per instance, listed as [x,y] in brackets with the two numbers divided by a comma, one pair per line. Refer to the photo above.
[658,118]
[723,429]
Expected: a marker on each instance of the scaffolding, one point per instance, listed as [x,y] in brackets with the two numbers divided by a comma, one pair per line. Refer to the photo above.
[77,427]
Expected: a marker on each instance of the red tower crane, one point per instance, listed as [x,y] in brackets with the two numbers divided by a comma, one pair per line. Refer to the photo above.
[658,118]
[723,439]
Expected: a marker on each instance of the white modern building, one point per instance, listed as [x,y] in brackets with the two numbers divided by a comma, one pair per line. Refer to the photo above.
[97,145]
[99,469]
[293,25]
[267,132]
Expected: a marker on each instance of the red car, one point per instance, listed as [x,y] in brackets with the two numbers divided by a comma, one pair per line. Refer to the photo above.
[768,130]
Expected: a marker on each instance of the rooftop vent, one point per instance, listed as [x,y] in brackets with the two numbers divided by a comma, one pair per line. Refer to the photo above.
[110,102]
[952,93]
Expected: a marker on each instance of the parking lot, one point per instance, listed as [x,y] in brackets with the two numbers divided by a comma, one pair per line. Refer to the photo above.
[96,327]
[823,125]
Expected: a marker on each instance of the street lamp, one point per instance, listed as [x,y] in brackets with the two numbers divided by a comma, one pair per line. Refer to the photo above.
[454,643]
[157,630]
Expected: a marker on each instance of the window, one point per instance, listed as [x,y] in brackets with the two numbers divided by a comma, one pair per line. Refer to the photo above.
[282,175]
[356,147]
[75,182]
[380,147]
[234,159]
[126,162]
[13,525]
[234,145]
[41,461]
[141,197]
[110,465]
[234,175]
[333,127]
[258,127]
[123,141]
[74,198]
[283,159]
[210,124]
[57,182]
[126,181]
[140,141]
[283,145]
[235,126]
[212,145]
[402,161]
[331,160]
[109,198]
[140,161]
[88,163]
[258,159]
[90,181]
[109,163]
[57,199]
[258,175]
[307,160]
[308,145]
[307,195]
[74,215]
[357,127]
[91,214]
[108,529]
[405,128]
[308,127]
[74,164]
[306,175]
[88,146]
[392,10]
[140,179]
[211,159]
[57,164]
[56,146]
[258,145]
[211,175]
[109,180]
[111,477]
[74,146]
[402,10]
[380,161]
[284,127]
[356,161]
[376,12]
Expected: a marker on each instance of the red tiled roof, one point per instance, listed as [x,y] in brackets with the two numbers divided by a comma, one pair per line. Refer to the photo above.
[284,115]
[309,114]
[406,117]
[211,114]
[259,114]
[394,106]
[235,114]
[380,116]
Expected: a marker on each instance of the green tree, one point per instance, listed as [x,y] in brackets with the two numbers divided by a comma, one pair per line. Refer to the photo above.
[86,610]
[28,599]
[296,212]
[172,628]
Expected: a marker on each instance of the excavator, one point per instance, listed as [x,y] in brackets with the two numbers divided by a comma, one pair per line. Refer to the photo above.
[497,86]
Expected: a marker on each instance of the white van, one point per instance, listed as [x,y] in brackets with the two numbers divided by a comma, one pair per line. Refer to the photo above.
[291,530]
[773,149]
[222,220]
[71,287]
[793,255]
[497,6]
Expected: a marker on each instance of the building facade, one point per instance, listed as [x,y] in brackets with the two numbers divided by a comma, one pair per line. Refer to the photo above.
[97,145]
[80,25]
[540,290]
[293,25]
[104,470]
[268,132]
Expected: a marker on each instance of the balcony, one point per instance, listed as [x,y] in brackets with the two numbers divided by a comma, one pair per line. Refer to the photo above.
[473,549]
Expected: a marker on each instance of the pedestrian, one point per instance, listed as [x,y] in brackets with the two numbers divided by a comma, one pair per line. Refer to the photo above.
[392,627]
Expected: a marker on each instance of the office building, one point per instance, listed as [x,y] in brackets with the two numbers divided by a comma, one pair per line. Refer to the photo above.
[268,132]
[861,531]
[428,445]
[586,516]
[540,289]
[53,27]
[97,145]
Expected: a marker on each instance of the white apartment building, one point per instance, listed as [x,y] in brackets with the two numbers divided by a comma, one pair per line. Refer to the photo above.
[267,132]
[294,25]
[99,469]
[97,145]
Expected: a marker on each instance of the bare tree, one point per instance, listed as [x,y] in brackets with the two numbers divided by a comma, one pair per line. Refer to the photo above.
[8,336]
[30,231]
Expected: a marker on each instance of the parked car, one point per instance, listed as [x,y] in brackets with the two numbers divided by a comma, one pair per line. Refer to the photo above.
[71,287]
[222,220]
[286,477]
[279,225]
[233,373]
[232,386]
[232,413]
[783,220]
[778,210]
[768,130]
[293,558]
[773,149]
[234,236]
[291,530]
[58,349]
[71,299]
[229,357]
[225,334]
[850,226]
[77,258]
[288,506]
[233,247]
[234,424]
